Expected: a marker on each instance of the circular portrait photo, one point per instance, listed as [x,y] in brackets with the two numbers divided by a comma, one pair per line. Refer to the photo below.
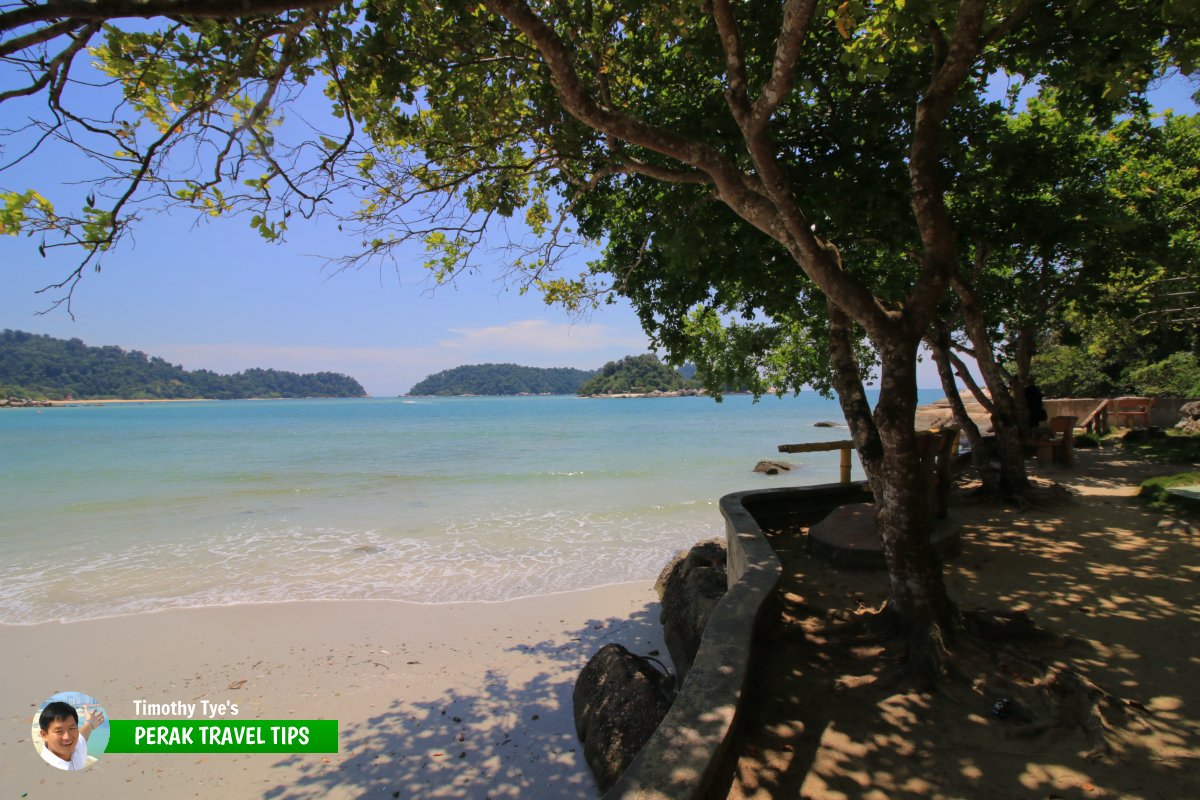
[70,730]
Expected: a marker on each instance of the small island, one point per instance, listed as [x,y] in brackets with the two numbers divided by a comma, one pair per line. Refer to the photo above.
[639,376]
[501,380]
[631,376]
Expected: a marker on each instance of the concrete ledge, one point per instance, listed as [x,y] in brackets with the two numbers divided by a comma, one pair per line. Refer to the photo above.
[847,538]
[1188,496]
[684,756]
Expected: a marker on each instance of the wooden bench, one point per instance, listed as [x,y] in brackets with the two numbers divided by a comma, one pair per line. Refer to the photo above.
[1057,443]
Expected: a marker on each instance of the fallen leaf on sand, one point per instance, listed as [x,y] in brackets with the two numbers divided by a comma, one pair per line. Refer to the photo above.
[239,683]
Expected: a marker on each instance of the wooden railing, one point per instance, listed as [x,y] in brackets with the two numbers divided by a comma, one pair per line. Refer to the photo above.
[819,447]
[1096,420]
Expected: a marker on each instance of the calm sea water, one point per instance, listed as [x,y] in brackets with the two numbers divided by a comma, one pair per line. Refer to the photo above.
[129,508]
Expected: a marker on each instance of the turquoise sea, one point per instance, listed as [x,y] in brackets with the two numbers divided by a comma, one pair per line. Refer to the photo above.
[122,509]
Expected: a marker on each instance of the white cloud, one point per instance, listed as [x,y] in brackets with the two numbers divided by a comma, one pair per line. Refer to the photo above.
[535,336]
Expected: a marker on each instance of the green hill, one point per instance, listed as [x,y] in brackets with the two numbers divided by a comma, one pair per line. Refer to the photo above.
[38,366]
[501,379]
[636,375]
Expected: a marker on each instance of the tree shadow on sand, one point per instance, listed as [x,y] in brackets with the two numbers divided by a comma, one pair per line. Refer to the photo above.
[513,737]
[1109,579]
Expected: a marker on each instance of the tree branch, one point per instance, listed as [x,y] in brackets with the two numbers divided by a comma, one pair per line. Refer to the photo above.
[1016,18]
[818,258]
[967,378]
[38,36]
[737,93]
[105,10]
[57,69]
[936,229]
[633,166]
[797,17]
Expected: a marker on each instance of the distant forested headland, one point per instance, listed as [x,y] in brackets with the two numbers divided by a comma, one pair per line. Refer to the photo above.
[37,366]
[643,374]
[501,379]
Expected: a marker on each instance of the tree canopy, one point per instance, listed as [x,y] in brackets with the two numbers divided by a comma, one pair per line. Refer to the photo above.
[814,150]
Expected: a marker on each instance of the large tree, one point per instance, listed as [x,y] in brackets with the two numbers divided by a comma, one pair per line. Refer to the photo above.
[781,121]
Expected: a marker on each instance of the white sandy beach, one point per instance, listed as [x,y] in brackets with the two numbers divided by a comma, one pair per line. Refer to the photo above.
[458,701]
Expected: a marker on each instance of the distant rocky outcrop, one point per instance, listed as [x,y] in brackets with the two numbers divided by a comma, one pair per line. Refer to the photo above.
[23,402]
[826,424]
[772,467]
[1189,421]
[620,698]
[689,588]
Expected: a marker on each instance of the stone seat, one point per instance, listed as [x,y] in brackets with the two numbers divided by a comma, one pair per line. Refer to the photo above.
[847,537]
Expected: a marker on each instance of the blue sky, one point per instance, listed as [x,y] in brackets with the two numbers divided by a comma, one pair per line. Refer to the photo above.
[216,296]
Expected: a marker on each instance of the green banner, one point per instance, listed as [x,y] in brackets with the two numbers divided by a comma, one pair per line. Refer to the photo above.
[222,736]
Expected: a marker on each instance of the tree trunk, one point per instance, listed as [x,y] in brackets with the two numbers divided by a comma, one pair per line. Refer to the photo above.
[918,590]
[886,443]
[1023,379]
[939,346]
[1005,418]
[847,382]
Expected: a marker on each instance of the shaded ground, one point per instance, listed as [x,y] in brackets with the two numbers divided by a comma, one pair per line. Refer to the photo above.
[1113,580]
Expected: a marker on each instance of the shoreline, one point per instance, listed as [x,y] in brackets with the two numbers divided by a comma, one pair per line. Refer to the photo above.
[475,695]
[153,401]
[414,604]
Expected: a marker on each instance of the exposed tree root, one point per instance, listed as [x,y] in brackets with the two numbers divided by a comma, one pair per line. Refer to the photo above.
[1030,497]
[1002,626]
[984,662]
[1035,698]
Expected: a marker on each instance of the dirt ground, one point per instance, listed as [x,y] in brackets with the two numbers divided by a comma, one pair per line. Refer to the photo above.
[1111,580]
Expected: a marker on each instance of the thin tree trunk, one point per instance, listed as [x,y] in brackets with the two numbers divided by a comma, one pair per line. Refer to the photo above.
[1023,379]
[847,382]
[1005,419]
[939,346]
[965,375]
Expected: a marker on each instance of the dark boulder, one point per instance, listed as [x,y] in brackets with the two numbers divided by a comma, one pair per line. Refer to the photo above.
[772,467]
[689,588]
[620,698]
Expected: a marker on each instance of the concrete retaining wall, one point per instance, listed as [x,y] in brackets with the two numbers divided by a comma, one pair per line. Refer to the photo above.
[1163,414]
[684,756]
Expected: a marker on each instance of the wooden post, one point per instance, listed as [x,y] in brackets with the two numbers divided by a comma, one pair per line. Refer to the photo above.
[816,447]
